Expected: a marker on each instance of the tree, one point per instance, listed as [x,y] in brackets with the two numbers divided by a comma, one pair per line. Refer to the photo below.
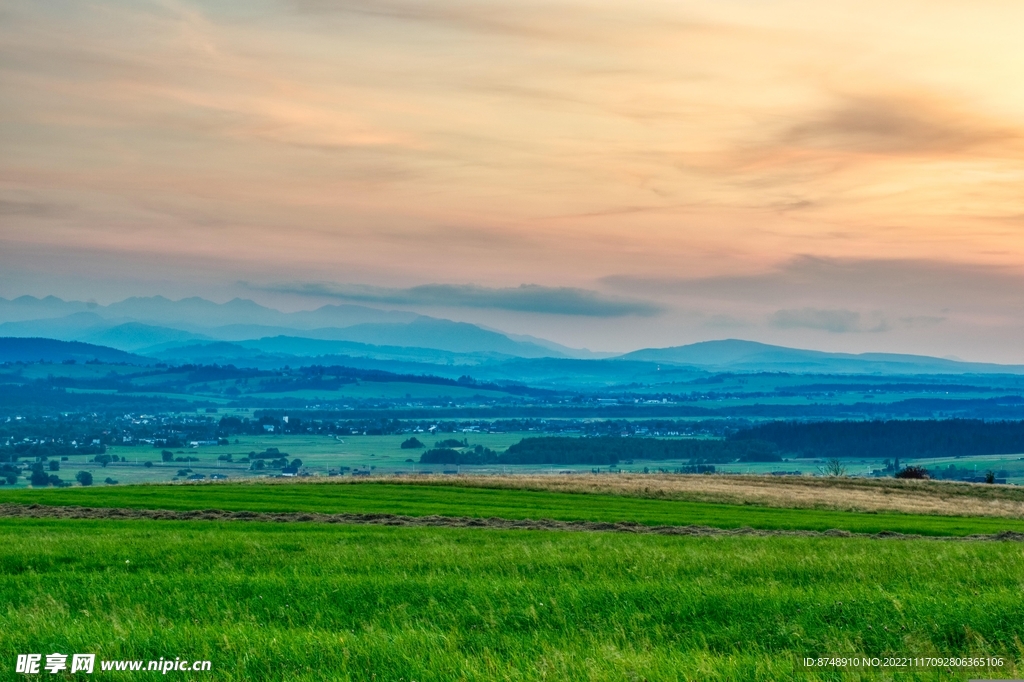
[412,443]
[84,477]
[54,465]
[990,476]
[833,467]
[166,455]
[39,478]
[103,460]
[148,465]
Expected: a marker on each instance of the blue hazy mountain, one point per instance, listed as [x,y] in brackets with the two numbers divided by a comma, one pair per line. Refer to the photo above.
[32,308]
[51,350]
[244,332]
[734,355]
[66,327]
[134,336]
[157,324]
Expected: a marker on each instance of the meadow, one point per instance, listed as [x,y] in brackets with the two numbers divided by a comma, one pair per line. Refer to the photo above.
[381,455]
[314,602]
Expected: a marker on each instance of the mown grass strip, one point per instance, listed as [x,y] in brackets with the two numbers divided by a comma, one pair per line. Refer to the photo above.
[415,500]
[312,603]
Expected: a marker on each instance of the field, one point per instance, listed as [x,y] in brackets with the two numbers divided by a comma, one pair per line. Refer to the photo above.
[381,455]
[506,503]
[319,601]
[306,602]
[835,493]
[384,456]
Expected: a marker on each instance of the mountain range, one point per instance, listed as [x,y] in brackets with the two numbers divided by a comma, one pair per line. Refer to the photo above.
[244,333]
[155,324]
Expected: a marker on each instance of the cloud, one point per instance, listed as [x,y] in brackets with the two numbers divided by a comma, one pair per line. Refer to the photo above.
[34,209]
[514,19]
[919,321]
[850,283]
[896,125]
[531,298]
[836,321]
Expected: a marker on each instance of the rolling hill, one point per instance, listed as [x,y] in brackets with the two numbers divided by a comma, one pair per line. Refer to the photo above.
[735,355]
[52,350]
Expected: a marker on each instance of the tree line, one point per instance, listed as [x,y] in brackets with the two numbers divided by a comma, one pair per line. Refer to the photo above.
[895,438]
[606,451]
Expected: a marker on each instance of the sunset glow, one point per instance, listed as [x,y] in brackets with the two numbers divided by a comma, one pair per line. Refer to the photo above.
[843,175]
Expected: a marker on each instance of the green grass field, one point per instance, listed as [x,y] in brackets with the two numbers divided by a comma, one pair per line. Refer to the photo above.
[449,500]
[306,602]
[303,601]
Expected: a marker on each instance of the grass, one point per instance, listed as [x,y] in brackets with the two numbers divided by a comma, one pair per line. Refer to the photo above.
[422,500]
[307,602]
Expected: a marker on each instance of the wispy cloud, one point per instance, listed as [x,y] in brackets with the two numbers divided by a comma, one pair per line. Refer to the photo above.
[836,321]
[875,282]
[530,298]
[879,124]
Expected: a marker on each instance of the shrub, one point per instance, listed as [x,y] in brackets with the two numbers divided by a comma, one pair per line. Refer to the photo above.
[412,443]
[913,472]
[84,477]
[148,465]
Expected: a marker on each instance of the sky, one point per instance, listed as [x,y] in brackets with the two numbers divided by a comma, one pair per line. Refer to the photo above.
[607,174]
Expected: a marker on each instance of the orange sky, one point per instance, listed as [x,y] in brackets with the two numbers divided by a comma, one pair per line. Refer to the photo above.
[722,163]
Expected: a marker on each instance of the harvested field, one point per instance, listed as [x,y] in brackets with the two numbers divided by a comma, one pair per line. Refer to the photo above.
[943,498]
[36,511]
[390,496]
